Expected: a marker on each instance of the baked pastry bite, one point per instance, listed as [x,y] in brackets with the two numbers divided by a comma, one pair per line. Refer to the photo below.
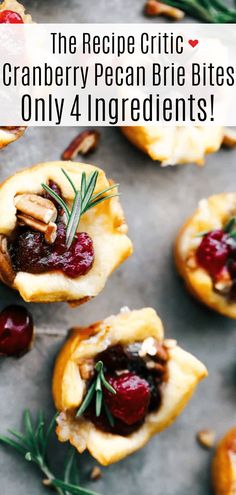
[224,465]
[119,382]
[12,12]
[177,145]
[62,232]
[205,253]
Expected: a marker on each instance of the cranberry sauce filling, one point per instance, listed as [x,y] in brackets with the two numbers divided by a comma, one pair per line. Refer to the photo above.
[30,253]
[137,386]
[10,17]
[217,255]
[213,252]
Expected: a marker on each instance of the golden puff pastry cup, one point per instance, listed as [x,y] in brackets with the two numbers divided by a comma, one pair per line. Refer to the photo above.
[179,145]
[105,224]
[224,465]
[212,213]
[10,134]
[184,372]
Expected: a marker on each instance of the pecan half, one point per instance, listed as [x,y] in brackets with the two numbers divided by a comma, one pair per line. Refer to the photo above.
[96,473]
[84,143]
[153,8]
[229,138]
[37,207]
[7,274]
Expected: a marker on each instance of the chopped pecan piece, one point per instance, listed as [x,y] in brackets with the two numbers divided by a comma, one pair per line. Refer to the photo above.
[229,138]
[36,207]
[87,369]
[153,8]
[84,143]
[7,274]
[96,473]
[206,438]
[49,230]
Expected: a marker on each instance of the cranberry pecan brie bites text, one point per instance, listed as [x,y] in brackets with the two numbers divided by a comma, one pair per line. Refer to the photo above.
[52,254]
[205,253]
[12,12]
[152,380]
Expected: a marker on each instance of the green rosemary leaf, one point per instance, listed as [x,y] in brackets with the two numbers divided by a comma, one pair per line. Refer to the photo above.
[101,193]
[12,443]
[49,431]
[98,366]
[92,180]
[106,384]
[70,180]
[71,472]
[233,234]
[28,457]
[95,203]
[99,398]
[109,387]
[73,489]
[23,439]
[57,198]
[230,224]
[39,434]
[29,430]
[83,184]
[109,415]
[74,220]
[87,400]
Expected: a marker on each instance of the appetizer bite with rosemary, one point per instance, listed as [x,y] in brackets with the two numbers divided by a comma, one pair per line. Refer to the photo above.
[62,232]
[179,145]
[119,382]
[223,466]
[12,12]
[205,253]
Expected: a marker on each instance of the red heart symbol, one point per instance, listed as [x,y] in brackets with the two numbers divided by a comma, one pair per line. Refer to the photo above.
[193,43]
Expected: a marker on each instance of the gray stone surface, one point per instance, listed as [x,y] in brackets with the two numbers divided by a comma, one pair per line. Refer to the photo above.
[156,202]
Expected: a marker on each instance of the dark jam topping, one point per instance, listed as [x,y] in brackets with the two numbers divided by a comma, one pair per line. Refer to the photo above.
[138,388]
[10,17]
[16,330]
[30,253]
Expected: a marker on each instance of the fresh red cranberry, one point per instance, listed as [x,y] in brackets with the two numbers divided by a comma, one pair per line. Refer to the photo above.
[16,330]
[30,253]
[130,404]
[10,17]
[213,252]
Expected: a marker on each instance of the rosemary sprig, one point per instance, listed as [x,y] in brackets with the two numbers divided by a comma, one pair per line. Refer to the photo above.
[33,444]
[96,390]
[84,200]
[205,10]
